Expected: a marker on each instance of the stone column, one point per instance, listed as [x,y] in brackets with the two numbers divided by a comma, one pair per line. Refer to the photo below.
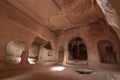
[24,57]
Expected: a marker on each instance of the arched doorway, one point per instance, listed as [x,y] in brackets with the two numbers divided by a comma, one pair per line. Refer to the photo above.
[77,49]
[14,51]
[34,51]
[107,52]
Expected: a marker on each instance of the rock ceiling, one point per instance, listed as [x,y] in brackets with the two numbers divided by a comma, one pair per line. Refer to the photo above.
[110,12]
[61,14]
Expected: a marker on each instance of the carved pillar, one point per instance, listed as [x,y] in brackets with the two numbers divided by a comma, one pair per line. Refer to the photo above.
[24,57]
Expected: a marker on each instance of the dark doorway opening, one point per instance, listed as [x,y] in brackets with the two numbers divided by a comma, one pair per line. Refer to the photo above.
[107,52]
[77,49]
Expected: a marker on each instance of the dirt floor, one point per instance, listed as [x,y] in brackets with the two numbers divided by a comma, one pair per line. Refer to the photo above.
[47,73]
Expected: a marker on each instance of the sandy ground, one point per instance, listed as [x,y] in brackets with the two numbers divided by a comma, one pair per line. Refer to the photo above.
[45,73]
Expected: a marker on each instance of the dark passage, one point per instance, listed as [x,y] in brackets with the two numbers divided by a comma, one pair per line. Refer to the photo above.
[107,52]
[77,49]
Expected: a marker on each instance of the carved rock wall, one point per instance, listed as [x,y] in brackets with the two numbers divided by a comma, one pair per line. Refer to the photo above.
[14,25]
[91,34]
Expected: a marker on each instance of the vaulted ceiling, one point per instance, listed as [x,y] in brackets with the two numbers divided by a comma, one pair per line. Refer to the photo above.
[59,14]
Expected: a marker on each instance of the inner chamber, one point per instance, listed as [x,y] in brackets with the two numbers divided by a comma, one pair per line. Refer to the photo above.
[77,49]
[107,52]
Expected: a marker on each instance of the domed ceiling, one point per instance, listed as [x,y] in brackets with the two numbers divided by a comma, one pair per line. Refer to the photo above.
[59,15]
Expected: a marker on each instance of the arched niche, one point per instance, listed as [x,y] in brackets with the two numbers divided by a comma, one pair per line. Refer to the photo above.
[34,50]
[107,52]
[77,49]
[14,51]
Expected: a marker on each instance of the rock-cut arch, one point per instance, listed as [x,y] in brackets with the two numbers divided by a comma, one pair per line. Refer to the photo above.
[34,50]
[14,51]
[77,49]
[107,52]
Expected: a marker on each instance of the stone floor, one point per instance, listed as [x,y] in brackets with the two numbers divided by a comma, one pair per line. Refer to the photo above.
[47,73]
